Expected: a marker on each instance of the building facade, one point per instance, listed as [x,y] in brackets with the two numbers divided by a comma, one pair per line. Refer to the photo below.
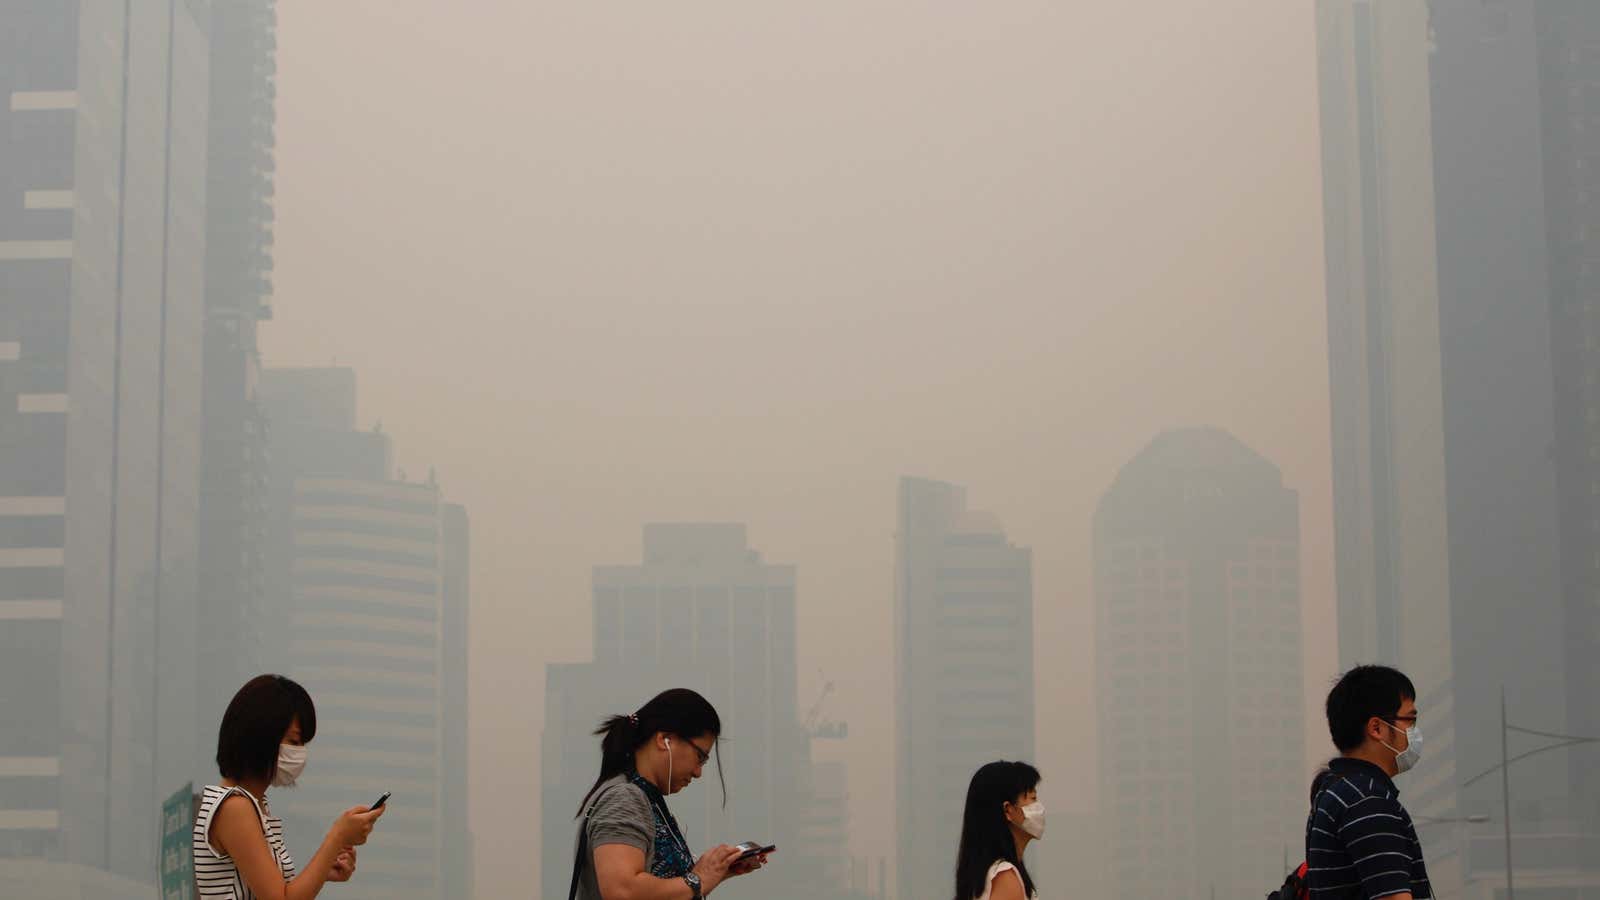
[371,572]
[366,638]
[1198,645]
[455,823]
[235,617]
[964,690]
[1463,331]
[103,109]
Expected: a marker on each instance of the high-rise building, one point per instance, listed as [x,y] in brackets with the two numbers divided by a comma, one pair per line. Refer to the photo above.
[1197,632]
[1388,435]
[455,823]
[372,577]
[822,835]
[235,616]
[963,670]
[102,209]
[702,611]
[1464,341]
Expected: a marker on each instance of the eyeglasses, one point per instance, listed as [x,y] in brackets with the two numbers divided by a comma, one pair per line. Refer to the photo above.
[705,755]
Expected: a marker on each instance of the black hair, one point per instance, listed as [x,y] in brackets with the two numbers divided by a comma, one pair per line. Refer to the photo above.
[985,833]
[1361,694]
[678,711]
[1317,781]
[255,723]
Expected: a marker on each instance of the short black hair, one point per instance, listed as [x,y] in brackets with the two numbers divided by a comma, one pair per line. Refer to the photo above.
[1361,694]
[254,725]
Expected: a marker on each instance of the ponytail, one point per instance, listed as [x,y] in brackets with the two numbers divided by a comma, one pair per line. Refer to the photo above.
[678,711]
[618,741]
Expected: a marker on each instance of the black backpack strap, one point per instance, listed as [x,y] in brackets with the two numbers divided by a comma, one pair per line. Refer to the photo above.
[583,844]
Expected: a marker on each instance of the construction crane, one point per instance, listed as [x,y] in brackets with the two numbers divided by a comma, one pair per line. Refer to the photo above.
[813,723]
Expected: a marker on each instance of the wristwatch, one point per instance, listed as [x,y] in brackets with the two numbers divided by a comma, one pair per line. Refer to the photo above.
[694,885]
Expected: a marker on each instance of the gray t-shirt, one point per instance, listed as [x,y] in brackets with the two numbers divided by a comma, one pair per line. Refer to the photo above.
[620,815]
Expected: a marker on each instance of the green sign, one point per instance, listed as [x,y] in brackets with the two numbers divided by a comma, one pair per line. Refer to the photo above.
[177,845]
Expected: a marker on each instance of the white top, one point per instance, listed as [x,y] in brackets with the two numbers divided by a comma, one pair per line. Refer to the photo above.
[215,874]
[999,866]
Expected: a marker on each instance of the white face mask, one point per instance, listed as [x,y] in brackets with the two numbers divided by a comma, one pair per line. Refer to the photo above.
[1033,819]
[291,762]
[1405,760]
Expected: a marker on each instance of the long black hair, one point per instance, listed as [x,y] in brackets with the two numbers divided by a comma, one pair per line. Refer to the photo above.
[678,711]
[985,833]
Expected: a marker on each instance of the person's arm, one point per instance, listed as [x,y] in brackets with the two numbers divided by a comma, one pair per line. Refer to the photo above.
[236,832]
[1374,835]
[619,871]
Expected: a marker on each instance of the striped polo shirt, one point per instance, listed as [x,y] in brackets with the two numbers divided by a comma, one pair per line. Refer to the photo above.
[1360,843]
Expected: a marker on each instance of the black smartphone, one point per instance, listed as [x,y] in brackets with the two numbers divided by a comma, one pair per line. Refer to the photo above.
[752,848]
[381,801]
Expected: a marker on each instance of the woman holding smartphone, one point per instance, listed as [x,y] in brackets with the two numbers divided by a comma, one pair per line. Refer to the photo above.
[629,846]
[238,843]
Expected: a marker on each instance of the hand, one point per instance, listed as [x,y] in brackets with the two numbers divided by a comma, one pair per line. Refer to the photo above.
[344,865]
[713,866]
[748,865]
[353,826]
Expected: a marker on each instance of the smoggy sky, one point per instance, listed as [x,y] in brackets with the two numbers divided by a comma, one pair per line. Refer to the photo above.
[603,264]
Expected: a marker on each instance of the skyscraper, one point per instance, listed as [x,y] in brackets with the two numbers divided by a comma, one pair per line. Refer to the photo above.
[822,835]
[102,208]
[702,611]
[371,572]
[234,617]
[455,822]
[1463,349]
[1197,600]
[963,670]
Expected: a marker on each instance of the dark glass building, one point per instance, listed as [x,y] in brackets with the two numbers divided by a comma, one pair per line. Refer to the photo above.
[1460,148]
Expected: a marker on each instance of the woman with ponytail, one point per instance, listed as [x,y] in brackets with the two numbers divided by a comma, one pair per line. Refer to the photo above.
[1003,815]
[629,846]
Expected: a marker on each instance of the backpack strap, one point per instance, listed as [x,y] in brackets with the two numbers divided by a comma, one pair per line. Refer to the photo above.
[583,843]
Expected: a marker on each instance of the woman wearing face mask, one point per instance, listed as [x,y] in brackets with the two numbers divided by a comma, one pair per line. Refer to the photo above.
[238,843]
[629,846]
[1002,816]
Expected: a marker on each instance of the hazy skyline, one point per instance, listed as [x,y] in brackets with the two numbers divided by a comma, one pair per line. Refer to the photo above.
[607,266]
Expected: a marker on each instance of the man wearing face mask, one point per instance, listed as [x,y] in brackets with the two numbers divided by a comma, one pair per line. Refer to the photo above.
[1360,841]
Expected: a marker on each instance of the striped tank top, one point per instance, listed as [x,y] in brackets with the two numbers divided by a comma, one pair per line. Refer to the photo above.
[214,873]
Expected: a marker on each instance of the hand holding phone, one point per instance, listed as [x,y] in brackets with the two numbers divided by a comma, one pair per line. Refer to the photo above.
[750,849]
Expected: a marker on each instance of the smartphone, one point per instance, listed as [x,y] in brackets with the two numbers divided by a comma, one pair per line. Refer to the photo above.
[752,848]
[381,801]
